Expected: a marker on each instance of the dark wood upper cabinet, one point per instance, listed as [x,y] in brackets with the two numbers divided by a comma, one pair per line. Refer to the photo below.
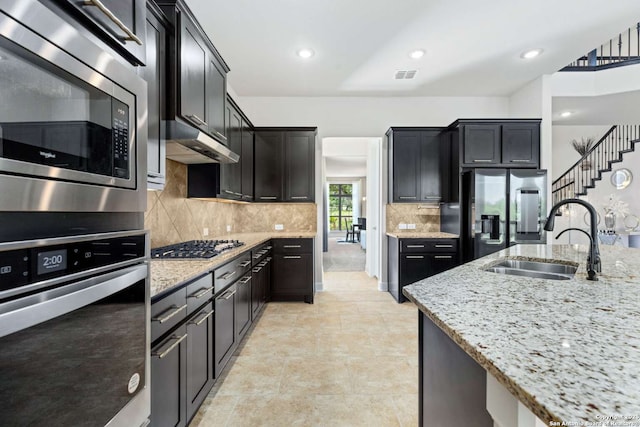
[284,164]
[481,145]
[509,143]
[418,162]
[154,73]
[521,144]
[299,166]
[197,73]
[406,166]
[216,87]
[246,157]
[231,173]
[129,44]
[269,156]
[193,66]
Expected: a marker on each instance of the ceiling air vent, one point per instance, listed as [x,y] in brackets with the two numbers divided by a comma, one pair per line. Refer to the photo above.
[406,74]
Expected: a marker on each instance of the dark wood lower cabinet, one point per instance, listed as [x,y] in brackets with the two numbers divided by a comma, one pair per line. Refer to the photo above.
[243,305]
[169,380]
[453,387]
[200,375]
[225,328]
[411,260]
[292,277]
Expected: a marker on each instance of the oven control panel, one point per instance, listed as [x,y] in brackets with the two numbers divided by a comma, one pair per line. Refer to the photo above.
[25,266]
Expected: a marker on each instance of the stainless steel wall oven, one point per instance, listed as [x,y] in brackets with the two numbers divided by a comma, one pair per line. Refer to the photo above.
[72,118]
[74,337]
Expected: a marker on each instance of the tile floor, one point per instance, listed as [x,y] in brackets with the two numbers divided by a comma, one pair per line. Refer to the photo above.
[350,359]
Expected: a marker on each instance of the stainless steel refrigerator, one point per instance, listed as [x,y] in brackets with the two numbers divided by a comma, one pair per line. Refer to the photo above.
[501,208]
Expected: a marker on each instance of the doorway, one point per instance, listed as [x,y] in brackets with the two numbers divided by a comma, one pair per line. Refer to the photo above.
[350,219]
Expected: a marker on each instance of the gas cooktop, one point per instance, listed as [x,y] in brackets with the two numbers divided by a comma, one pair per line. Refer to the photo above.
[195,249]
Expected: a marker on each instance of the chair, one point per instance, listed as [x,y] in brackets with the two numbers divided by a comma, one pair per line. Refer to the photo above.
[357,228]
[348,225]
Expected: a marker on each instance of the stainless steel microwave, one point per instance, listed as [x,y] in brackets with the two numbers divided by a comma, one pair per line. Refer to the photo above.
[72,118]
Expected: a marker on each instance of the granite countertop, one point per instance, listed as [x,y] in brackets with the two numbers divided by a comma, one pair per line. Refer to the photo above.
[168,273]
[567,349]
[412,234]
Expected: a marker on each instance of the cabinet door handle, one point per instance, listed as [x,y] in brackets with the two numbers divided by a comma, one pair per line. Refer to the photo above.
[197,119]
[238,194]
[228,295]
[263,263]
[228,192]
[228,275]
[415,246]
[244,263]
[163,353]
[245,280]
[482,160]
[257,256]
[299,197]
[293,257]
[221,135]
[268,197]
[292,246]
[105,10]
[415,256]
[407,197]
[520,160]
[443,246]
[199,322]
[173,310]
[432,197]
[257,269]
[443,256]
[200,294]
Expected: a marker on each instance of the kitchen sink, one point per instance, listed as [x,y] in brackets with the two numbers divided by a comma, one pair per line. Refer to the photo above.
[534,269]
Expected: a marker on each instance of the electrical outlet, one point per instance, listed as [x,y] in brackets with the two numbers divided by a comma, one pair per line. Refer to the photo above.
[279,227]
[228,228]
[411,226]
[205,232]
[402,226]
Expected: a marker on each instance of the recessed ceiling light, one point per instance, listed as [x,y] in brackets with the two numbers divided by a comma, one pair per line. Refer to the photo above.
[530,54]
[565,114]
[417,54]
[305,53]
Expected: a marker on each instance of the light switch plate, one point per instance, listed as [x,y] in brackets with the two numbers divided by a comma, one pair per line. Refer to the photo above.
[205,232]
[402,226]
[279,227]
[228,228]
[411,226]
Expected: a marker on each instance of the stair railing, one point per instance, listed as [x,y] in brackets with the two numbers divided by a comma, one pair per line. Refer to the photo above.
[619,139]
[621,50]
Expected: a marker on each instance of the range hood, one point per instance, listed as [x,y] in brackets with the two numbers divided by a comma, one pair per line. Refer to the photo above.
[189,145]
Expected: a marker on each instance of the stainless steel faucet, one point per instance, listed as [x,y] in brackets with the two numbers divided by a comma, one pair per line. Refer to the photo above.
[593,260]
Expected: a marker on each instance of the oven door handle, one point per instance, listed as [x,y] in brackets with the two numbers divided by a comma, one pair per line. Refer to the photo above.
[31,310]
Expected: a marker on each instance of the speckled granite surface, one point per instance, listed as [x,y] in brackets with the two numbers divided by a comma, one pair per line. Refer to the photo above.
[569,350]
[412,234]
[166,274]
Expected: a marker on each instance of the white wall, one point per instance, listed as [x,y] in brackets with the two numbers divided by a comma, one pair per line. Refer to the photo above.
[604,82]
[564,156]
[367,116]
[534,101]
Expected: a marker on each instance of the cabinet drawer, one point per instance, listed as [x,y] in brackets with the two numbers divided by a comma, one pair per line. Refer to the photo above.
[230,272]
[198,292]
[293,246]
[260,253]
[167,313]
[428,245]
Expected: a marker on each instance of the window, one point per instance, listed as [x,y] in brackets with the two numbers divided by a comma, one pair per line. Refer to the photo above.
[340,206]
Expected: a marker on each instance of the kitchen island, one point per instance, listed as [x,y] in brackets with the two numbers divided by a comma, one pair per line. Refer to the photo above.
[565,350]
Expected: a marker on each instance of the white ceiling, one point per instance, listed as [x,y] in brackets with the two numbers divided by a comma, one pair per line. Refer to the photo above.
[473,47]
[345,167]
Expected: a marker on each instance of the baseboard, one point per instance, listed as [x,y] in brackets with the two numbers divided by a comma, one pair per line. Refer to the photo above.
[319,287]
[383,286]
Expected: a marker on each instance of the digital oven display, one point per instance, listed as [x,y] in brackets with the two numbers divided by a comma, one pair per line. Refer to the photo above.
[49,262]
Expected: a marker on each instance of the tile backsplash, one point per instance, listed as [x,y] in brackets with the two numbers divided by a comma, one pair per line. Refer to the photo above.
[425,217]
[173,218]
